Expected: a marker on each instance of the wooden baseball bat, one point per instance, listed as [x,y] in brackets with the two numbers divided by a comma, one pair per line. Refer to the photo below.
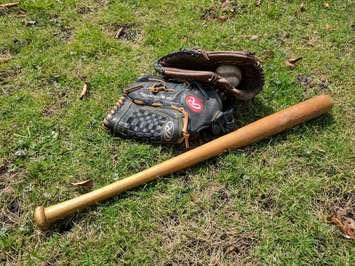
[246,135]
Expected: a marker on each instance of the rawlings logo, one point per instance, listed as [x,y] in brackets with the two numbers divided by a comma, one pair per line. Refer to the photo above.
[168,131]
[194,103]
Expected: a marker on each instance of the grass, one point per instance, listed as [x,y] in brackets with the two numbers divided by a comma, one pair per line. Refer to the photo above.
[264,204]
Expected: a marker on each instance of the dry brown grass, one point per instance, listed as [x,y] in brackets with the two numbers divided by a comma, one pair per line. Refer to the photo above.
[211,235]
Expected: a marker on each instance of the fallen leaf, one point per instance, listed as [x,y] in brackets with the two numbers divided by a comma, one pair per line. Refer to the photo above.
[85,91]
[350,222]
[30,23]
[345,224]
[84,184]
[254,37]
[21,153]
[8,5]
[118,34]
[291,63]
[302,7]
[326,5]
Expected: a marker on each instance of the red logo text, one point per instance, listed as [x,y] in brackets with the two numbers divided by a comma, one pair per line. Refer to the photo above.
[194,103]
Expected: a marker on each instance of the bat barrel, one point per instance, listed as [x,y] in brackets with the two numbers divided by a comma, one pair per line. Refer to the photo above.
[246,135]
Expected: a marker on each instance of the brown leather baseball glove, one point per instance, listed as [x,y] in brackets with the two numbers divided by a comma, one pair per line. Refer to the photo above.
[237,73]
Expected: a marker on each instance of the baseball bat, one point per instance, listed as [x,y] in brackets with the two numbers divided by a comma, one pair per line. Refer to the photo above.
[246,135]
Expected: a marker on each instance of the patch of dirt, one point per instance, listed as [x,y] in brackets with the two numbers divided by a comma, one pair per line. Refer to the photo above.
[339,199]
[267,202]
[212,197]
[6,78]
[201,241]
[8,74]
[313,84]
[220,197]
[84,9]
[10,175]
[223,10]
[336,201]
[51,79]
[304,81]
[102,2]
[209,236]
[5,56]
[10,212]
[266,55]
[128,32]
[185,179]
[311,41]
[280,37]
[62,31]
[339,207]
[59,103]
[18,44]
[4,167]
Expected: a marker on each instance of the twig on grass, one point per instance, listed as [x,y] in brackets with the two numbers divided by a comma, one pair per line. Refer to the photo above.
[84,184]
[8,5]
[291,63]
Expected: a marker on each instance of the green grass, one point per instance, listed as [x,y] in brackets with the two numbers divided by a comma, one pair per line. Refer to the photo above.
[264,204]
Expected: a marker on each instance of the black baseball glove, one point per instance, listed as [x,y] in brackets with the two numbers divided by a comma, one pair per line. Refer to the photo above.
[154,109]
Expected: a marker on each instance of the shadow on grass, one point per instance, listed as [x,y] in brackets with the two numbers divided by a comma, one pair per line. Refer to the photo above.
[245,113]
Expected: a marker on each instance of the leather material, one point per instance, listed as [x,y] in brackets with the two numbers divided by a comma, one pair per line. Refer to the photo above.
[156,110]
[198,65]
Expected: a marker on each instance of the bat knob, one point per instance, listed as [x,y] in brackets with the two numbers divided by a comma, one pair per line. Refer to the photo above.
[40,218]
